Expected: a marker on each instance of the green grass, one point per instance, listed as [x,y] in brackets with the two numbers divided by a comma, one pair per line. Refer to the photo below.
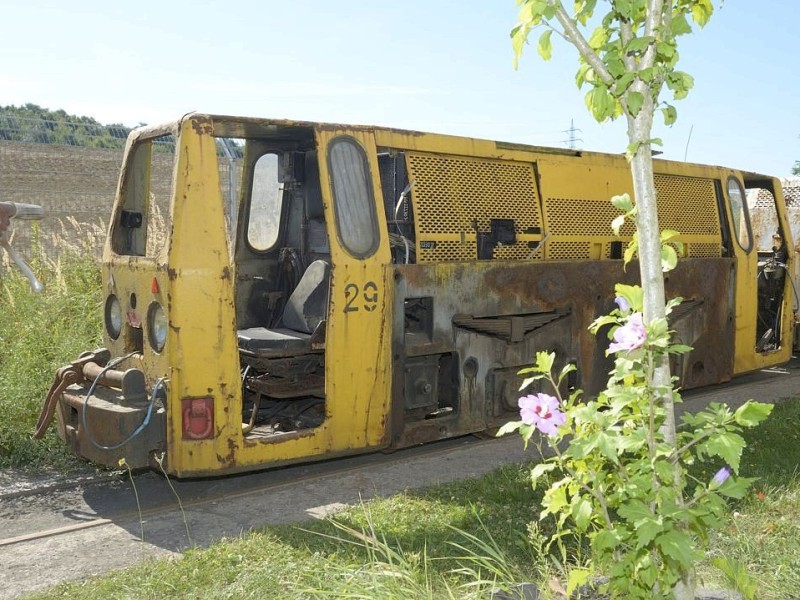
[38,334]
[407,546]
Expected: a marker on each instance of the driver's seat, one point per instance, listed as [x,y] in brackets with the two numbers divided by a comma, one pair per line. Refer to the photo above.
[303,316]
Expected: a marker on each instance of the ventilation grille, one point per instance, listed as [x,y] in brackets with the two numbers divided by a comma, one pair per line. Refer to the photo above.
[453,194]
[688,205]
[585,218]
[580,229]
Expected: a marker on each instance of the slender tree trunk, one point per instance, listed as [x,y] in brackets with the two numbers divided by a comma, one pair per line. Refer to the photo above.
[639,130]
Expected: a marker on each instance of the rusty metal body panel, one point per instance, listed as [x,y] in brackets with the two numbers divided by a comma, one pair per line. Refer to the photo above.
[567,296]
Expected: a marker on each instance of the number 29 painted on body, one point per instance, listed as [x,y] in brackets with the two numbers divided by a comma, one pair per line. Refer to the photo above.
[357,298]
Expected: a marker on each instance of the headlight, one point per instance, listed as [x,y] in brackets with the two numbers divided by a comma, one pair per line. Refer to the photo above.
[113,316]
[157,326]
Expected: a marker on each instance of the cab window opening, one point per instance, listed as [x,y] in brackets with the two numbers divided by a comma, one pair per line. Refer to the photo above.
[141,225]
[740,215]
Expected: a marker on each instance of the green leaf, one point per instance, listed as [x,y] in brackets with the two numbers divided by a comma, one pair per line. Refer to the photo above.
[702,11]
[545,48]
[634,511]
[679,349]
[600,103]
[599,37]
[606,539]
[670,114]
[679,25]
[728,446]
[677,546]
[582,76]
[622,202]
[544,361]
[752,413]
[639,44]
[631,249]
[508,428]
[736,487]
[581,512]
[539,470]
[647,530]
[529,380]
[617,224]
[668,235]
[647,74]
[577,577]
[669,258]
[623,83]
[635,102]
[666,50]
[519,36]
[680,83]
[566,370]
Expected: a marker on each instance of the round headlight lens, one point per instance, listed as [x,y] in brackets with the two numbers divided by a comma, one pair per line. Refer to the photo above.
[157,326]
[113,316]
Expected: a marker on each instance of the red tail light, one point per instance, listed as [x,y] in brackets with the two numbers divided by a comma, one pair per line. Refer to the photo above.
[198,418]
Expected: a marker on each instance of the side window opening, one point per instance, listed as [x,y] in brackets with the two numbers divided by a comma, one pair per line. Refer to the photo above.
[142,223]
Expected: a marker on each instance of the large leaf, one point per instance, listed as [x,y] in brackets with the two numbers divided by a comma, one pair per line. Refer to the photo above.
[545,47]
[752,413]
[736,487]
[635,102]
[728,446]
[678,546]
[539,470]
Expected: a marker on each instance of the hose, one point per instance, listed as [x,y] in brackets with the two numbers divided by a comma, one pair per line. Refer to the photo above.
[85,423]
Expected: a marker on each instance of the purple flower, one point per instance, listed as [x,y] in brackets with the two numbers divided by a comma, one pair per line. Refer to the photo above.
[629,336]
[622,304]
[722,475]
[542,411]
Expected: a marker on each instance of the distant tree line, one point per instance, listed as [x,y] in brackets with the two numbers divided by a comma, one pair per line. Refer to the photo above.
[32,123]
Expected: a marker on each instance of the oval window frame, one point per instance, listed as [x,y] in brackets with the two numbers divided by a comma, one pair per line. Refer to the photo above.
[354,247]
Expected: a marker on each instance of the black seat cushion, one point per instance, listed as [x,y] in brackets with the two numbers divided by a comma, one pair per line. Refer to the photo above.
[259,339]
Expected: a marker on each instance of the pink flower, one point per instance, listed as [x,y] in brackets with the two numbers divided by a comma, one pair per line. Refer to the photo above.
[630,336]
[622,304]
[541,411]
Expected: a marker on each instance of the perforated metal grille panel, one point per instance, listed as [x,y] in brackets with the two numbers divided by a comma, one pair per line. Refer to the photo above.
[591,218]
[688,205]
[568,250]
[452,193]
[580,229]
[704,250]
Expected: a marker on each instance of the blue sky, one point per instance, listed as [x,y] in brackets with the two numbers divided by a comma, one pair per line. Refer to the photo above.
[431,65]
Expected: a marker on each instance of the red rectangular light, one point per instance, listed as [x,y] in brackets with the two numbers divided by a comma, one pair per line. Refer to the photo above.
[197,422]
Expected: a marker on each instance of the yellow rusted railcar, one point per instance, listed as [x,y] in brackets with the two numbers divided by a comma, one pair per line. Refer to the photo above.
[280,291]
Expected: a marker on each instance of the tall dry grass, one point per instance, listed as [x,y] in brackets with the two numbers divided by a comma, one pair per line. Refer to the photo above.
[42,332]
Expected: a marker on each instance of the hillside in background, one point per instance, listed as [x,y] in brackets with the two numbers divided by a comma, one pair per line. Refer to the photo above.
[32,123]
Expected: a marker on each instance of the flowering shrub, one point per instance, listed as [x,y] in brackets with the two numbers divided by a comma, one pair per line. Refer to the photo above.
[612,475]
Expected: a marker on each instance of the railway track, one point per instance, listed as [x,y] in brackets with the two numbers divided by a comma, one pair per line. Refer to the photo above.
[105,524]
